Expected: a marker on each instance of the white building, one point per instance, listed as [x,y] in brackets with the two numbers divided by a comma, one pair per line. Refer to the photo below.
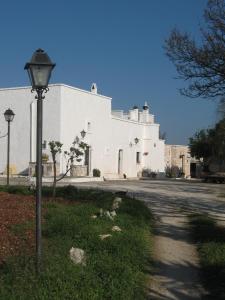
[119,143]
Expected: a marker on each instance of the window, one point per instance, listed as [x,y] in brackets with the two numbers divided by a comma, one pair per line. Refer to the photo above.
[44,145]
[138,157]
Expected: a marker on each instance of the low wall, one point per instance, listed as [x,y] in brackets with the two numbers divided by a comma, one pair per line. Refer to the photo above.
[47,168]
[79,171]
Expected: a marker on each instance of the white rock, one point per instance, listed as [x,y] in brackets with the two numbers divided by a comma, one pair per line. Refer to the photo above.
[118,200]
[116,203]
[93,216]
[101,212]
[113,213]
[104,236]
[116,228]
[78,256]
[107,213]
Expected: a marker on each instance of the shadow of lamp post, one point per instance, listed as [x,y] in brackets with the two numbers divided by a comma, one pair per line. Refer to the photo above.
[9,116]
[182,161]
[39,70]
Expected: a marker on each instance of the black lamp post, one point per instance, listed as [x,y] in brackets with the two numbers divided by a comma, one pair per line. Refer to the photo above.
[39,70]
[9,116]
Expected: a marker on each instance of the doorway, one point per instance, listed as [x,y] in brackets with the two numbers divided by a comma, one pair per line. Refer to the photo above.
[120,162]
[87,159]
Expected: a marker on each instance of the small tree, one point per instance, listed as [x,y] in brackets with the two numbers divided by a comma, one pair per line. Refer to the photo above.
[55,148]
[209,144]
[74,154]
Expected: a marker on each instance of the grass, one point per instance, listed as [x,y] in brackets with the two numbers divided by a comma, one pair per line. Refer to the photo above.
[210,239]
[116,267]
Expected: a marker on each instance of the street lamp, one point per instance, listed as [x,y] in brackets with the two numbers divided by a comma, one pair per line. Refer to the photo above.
[39,70]
[9,116]
[136,140]
[83,133]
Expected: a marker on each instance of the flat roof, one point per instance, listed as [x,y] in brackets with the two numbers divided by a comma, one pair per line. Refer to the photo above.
[58,84]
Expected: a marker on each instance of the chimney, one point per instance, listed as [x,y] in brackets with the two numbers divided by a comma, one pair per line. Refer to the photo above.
[146,107]
[94,88]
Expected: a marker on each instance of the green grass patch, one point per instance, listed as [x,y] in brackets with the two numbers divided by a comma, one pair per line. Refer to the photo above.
[116,267]
[210,239]
[16,189]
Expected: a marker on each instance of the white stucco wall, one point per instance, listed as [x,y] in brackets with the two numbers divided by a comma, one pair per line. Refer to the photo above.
[51,119]
[66,112]
[17,99]
[123,133]
[78,108]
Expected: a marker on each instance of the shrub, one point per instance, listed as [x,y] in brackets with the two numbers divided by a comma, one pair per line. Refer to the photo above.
[16,189]
[67,192]
[96,173]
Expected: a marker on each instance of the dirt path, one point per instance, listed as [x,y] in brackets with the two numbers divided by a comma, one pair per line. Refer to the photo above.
[176,272]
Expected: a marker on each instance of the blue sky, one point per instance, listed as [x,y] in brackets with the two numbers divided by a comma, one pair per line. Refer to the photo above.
[117,44]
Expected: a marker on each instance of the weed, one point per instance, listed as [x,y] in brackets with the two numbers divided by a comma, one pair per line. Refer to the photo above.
[210,239]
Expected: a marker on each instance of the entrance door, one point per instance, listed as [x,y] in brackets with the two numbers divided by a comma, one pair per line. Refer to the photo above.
[193,170]
[87,159]
[120,162]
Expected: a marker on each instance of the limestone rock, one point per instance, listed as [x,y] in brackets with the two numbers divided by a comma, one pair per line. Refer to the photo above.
[93,216]
[113,213]
[104,236]
[107,213]
[101,212]
[116,228]
[116,203]
[78,256]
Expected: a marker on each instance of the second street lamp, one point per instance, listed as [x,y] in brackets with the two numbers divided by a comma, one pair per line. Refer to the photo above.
[83,133]
[39,70]
[9,116]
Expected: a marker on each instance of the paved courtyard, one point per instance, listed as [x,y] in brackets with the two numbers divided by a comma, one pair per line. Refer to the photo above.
[163,196]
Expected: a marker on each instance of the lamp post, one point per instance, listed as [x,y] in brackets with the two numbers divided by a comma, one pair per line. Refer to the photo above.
[136,140]
[9,116]
[39,70]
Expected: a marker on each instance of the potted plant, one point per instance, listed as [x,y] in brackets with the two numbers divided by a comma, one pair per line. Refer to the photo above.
[96,173]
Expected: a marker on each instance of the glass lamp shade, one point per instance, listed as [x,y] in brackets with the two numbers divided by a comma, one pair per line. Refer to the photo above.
[39,69]
[9,115]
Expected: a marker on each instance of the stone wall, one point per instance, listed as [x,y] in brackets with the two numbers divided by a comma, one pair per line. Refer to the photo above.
[178,157]
[79,171]
[47,169]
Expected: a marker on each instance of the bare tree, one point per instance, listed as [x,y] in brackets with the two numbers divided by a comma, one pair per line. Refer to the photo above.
[201,64]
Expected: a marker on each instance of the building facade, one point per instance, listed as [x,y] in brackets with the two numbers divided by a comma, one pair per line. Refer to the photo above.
[119,144]
[177,161]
